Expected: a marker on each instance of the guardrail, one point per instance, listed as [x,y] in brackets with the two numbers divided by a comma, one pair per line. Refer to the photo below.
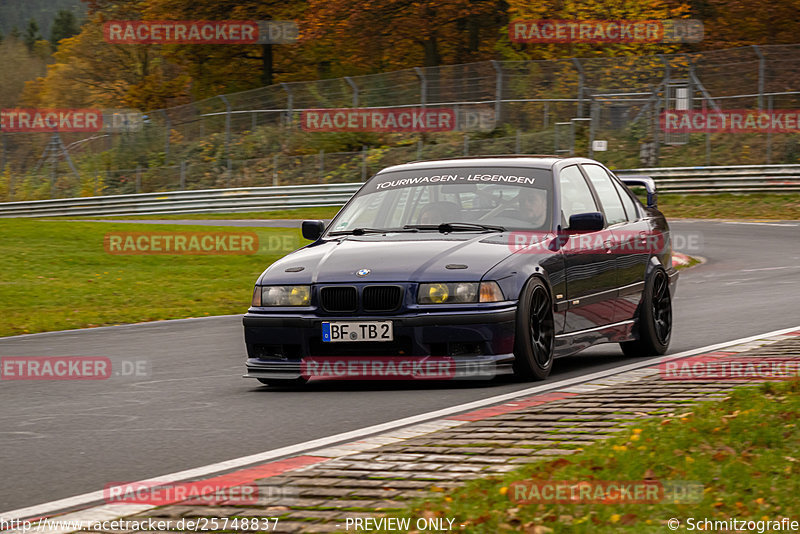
[201,201]
[669,180]
[731,179]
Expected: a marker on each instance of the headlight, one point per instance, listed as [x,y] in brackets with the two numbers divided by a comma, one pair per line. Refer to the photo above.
[285,296]
[459,292]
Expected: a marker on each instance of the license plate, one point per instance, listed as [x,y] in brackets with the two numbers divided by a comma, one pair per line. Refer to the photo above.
[353,331]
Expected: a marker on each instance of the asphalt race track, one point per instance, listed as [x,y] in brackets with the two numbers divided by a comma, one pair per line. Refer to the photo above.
[60,439]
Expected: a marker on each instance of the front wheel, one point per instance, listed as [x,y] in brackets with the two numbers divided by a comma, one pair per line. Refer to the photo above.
[655,319]
[535,333]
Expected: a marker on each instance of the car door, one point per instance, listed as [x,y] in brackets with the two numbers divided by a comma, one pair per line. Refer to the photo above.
[630,238]
[591,286]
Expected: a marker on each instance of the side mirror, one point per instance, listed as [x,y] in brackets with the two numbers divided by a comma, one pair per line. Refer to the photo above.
[648,183]
[592,221]
[313,229]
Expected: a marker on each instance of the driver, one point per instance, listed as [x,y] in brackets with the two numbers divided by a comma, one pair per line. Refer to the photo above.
[533,205]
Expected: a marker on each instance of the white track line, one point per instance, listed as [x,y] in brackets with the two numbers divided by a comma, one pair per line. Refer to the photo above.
[160,322]
[52,507]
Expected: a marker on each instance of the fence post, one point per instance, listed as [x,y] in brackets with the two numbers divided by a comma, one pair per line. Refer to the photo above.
[227,138]
[581,81]
[466,145]
[498,92]
[139,179]
[667,80]
[592,126]
[761,66]
[690,82]
[321,166]
[354,87]
[423,87]
[183,174]
[275,169]
[518,143]
[168,128]
[769,132]
[364,163]
[546,113]
[289,103]
[419,149]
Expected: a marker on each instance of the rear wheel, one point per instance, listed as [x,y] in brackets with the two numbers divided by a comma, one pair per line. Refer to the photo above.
[655,319]
[535,334]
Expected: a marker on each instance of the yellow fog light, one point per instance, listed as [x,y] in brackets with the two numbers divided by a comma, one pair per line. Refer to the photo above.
[436,293]
[299,296]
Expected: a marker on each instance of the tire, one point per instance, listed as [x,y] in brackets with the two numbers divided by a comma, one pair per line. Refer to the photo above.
[655,319]
[283,381]
[535,332]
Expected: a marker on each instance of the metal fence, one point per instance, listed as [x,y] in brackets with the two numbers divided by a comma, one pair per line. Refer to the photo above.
[253,137]
[698,180]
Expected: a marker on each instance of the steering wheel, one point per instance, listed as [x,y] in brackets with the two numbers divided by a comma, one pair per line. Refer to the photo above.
[503,205]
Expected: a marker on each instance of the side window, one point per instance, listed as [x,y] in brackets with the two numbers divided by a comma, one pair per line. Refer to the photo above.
[612,205]
[627,201]
[576,197]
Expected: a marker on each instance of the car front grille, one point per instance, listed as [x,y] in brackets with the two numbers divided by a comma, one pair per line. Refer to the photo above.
[339,299]
[382,298]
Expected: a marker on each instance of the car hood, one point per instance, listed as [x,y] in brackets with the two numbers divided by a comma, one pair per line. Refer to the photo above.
[392,258]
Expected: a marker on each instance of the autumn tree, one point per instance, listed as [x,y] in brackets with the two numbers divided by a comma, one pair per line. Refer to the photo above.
[18,65]
[64,25]
[730,23]
[226,67]
[91,72]
[32,34]
[374,35]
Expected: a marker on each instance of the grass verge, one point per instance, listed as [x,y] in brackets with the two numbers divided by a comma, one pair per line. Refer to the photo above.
[743,450]
[56,275]
[728,206]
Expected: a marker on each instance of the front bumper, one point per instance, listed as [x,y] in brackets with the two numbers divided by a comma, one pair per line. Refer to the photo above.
[478,343]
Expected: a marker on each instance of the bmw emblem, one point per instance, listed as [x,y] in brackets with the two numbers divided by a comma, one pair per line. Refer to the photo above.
[363,272]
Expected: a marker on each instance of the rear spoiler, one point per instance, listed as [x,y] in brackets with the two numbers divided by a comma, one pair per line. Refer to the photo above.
[648,183]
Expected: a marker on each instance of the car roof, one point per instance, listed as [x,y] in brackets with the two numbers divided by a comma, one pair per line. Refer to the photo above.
[516,160]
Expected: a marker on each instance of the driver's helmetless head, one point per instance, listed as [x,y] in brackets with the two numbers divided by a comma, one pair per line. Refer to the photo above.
[533,205]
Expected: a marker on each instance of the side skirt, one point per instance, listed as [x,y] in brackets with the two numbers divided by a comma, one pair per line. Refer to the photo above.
[572,342]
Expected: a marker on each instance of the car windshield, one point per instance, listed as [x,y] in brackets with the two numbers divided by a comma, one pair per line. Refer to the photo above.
[486,199]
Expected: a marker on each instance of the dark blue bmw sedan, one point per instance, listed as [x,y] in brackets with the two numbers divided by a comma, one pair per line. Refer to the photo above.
[467,268]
